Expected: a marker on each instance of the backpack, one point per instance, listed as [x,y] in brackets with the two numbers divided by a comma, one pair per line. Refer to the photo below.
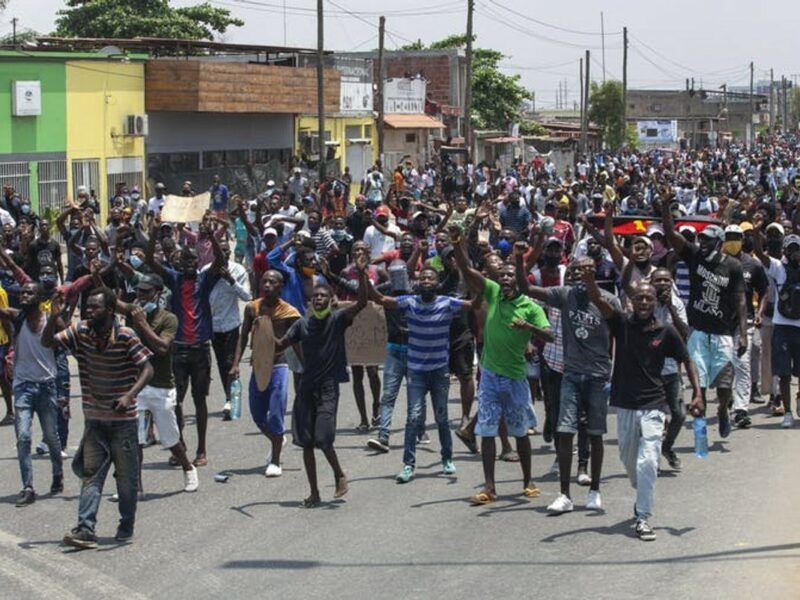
[788,304]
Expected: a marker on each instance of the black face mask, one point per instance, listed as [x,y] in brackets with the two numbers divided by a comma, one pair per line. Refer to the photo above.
[427,295]
[774,245]
[747,244]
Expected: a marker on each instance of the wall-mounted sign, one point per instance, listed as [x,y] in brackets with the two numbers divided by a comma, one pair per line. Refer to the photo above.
[404,96]
[657,131]
[26,98]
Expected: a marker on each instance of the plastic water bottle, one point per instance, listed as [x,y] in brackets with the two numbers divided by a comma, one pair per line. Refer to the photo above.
[700,437]
[236,399]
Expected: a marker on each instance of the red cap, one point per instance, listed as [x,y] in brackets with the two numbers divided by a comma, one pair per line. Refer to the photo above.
[382,211]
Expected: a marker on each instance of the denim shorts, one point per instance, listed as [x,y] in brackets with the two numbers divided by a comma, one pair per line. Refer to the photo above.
[713,355]
[583,394]
[500,396]
[785,351]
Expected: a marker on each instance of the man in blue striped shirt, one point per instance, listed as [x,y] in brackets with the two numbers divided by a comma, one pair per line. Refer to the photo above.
[429,316]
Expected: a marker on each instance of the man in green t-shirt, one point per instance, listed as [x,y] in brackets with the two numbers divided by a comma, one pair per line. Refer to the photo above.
[511,319]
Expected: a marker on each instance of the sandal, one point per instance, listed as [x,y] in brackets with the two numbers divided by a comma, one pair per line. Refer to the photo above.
[311,502]
[469,441]
[482,498]
[531,492]
[510,456]
[7,420]
[200,461]
[341,487]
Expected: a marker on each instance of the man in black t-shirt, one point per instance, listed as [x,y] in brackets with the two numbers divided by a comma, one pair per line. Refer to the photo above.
[321,336]
[716,310]
[43,251]
[637,390]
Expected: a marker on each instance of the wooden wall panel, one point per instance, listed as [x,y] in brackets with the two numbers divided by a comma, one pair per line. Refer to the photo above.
[205,86]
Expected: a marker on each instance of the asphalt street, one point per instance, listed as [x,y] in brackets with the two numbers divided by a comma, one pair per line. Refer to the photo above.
[727,526]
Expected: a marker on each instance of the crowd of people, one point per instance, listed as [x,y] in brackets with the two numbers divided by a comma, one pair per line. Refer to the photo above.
[622,280]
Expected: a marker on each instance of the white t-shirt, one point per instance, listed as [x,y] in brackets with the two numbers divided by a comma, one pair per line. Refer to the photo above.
[155,204]
[777,272]
[378,242]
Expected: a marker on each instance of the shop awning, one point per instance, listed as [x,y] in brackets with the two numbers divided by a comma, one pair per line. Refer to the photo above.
[412,122]
[501,140]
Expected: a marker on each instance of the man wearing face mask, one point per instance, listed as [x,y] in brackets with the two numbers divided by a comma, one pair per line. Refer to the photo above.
[786,335]
[157,328]
[381,235]
[44,250]
[717,310]
[755,281]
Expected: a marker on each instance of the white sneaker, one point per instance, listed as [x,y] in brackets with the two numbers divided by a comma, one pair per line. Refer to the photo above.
[273,470]
[64,454]
[594,501]
[788,421]
[190,480]
[560,505]
[584,479]
[554,470]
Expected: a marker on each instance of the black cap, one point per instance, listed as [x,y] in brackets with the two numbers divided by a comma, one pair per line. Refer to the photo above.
[150,281]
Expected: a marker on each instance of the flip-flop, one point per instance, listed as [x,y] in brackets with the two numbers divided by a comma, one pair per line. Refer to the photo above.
[341,487]
[200,461]
[468,441]
[482,498]
[531,492]
[7,420]
[510,456]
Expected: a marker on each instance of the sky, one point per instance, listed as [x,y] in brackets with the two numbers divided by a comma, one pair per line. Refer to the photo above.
[713,42]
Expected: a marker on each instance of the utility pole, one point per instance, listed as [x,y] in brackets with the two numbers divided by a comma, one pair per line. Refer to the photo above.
[603,43]
[468,85]
[566,96]
[751,135]
[321,91]
[14,31]
[583,106]
[381,78]
[624,83]
[771,101]
[585,122]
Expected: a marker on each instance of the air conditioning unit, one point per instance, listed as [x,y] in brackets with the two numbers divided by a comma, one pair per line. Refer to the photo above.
[136,125]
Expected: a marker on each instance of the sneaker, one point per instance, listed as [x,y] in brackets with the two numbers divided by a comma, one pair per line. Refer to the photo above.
[594,501]
[555,469]
[81,538]
[41,448]
[273,470]
[190,480]
[644,531]
[26,497]
[583,477]
[724,425]
[788,421]
[424,438]
[381,445]
[124,533]
[448,468]
[57,486]
[376,422]
[672,459]
[64,454]
[741,420]
[406,475]
[226,412]
[114,497]
[560,505]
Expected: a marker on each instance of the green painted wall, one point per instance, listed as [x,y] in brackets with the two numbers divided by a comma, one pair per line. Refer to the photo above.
[46,132]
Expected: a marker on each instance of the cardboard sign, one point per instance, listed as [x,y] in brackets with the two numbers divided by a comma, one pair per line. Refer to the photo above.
[263,351]
[365,340]
[185,209]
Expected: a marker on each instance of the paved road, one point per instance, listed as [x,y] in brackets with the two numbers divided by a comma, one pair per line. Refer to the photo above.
[727,527]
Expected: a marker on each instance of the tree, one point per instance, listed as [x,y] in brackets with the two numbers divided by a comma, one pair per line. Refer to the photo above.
[606,110]
[141,18]
[22,37]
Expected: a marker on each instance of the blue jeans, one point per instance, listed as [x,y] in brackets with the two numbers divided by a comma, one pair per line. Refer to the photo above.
[437,382]
[394,369]
[30,397]
[105,443]
[62,393]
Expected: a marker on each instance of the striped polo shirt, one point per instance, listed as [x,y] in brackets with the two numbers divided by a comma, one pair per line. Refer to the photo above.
[108,372]
[429,330]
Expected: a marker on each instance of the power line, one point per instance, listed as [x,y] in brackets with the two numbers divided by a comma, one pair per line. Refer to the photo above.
[443,8]
[370,23]
[550,25]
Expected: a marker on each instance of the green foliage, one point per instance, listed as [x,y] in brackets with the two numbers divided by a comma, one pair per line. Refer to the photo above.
[631,137]
[496,97]
[531,128]
[418,45]
[453,41]
[142,18]
[26,35]
[606,110]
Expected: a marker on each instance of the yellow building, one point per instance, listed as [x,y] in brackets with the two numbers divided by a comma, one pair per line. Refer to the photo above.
[105,126]
[351,141]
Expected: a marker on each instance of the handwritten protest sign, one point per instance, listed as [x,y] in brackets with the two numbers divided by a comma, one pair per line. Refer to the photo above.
[365,340]
[185,209]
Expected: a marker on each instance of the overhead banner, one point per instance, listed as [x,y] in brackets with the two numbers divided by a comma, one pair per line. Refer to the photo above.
[185,209]
[657,131]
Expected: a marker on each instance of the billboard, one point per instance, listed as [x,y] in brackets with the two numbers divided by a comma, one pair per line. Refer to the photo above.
[657,131]
[355,95]
[404,96]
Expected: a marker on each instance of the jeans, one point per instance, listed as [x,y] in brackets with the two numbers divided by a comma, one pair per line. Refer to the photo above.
[672,388]
[551,391]
[394,369]
[582,394]
[639,437]
[63,393]
[742,382]
[437,382]
[224,344]
[105,443]
[38,397]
